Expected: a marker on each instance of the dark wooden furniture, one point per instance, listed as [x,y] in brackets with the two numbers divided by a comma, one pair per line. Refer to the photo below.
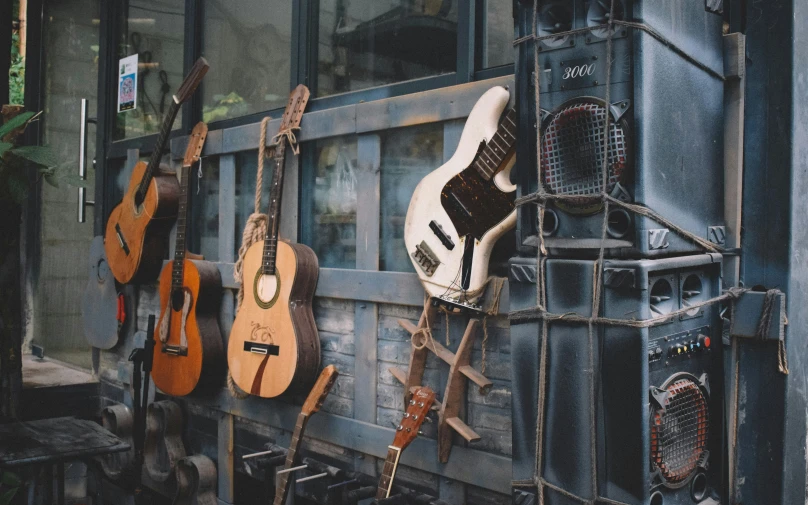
[52,442]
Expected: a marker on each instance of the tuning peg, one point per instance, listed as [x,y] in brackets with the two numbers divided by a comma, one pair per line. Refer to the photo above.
[420,433]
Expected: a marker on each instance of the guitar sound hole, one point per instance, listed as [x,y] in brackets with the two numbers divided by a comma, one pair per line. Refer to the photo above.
[267,288]
[177,299]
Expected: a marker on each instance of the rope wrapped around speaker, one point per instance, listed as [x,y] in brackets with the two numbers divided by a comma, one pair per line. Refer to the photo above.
[540,313]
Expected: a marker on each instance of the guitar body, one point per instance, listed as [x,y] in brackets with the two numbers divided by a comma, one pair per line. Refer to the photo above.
[456,199]
[179,375]
[135,236]
[276,314]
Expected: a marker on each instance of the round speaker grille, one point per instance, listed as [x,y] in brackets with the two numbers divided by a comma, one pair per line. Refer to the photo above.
[679,431]
[573,148]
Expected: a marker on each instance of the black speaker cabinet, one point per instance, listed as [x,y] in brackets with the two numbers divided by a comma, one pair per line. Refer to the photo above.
[659,408]
[666,133]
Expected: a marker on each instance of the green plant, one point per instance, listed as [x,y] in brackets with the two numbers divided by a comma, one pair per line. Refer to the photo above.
[9,485]
[16,72]
[18,163]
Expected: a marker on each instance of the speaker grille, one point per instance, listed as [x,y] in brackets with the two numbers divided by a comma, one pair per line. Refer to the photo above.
[573,147]
[679,432]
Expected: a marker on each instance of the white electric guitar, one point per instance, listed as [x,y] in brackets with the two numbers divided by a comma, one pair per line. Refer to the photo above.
[460,210]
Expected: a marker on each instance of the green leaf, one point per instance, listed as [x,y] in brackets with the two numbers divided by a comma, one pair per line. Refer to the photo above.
[6,497]
[15,122]
[17,187]
[40,155]
[72,180]
[5,146]
[51,179]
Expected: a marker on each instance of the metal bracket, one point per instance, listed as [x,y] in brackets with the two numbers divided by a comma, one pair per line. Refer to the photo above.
[746,316]
[714,6]
[717,235]
[734,55]
[658,238]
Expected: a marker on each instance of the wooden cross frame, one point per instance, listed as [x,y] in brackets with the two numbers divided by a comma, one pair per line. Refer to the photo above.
[460,371]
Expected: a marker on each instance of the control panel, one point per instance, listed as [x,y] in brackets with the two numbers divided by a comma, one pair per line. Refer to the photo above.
[679,346]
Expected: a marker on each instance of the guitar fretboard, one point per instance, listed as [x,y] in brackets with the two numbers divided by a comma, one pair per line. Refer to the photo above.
[182,230]
[489,161]
[282,488]
[157,153]
[273,221]
[388,472]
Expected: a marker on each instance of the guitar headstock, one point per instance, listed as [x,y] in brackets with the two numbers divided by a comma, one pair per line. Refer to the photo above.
[192,80]
[195,143]
[417,409]
[298,99]
[320,390]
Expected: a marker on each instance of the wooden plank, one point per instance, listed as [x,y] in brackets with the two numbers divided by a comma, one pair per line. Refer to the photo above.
[471,466]
[227,238]
[443,104]
[225,465]
[366,315]
[463,429]
[399,374]
[734,96]
[426,107]
[476,377]
[407,325]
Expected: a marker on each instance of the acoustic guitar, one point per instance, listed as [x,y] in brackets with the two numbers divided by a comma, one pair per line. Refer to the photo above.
[274,342]
[459,211]
[417,409]
[312,405]
[188,350]
[137,227]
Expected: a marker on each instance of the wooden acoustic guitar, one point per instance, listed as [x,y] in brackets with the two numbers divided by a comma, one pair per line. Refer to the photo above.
[274,342]
[459,211]
[137,227]
[312,405]
[188,350]
[417,409]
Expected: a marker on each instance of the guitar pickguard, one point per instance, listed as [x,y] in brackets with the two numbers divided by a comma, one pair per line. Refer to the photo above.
[473,204]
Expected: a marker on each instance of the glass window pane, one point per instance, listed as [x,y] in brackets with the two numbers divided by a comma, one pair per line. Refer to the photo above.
[248,45]
[70,40]
[246,169]
[328,201]
[364,43]
[496,48]
[205,211]
[407,155]
[154,30]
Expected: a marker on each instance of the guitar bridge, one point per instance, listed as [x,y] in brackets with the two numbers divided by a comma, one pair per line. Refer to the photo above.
[121,240]
[425,258]
[255,348]
[175,350]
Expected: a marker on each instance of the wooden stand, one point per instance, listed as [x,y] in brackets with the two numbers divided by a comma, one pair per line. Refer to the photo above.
[460,370]
[196,481]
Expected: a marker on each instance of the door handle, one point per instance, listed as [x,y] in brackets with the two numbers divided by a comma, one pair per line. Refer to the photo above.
[83,202]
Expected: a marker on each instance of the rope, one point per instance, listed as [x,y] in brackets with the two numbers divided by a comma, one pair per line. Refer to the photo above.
[254,231]
[289,134]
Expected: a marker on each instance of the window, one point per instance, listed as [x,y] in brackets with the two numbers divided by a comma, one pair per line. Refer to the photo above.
[248,46]
[205,211]
[407,155]
[153,29]
[365,43]
[495,47]
[328,201]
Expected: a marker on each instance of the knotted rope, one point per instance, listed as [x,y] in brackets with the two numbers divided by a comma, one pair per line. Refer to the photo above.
[255,230]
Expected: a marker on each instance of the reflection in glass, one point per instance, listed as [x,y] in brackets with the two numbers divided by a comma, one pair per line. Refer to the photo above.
[328,202]
[496,48]
[248,43]
[365,43]
[246,168]
[205,210]
[407,156]
[154,30]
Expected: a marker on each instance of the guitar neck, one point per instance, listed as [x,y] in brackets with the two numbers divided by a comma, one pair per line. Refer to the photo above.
[157,153]
[491,159]
[274,214]
[388,472]
[182,229]
[282,488]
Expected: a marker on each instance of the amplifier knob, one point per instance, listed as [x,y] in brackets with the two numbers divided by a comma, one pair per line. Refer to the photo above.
[704,341]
